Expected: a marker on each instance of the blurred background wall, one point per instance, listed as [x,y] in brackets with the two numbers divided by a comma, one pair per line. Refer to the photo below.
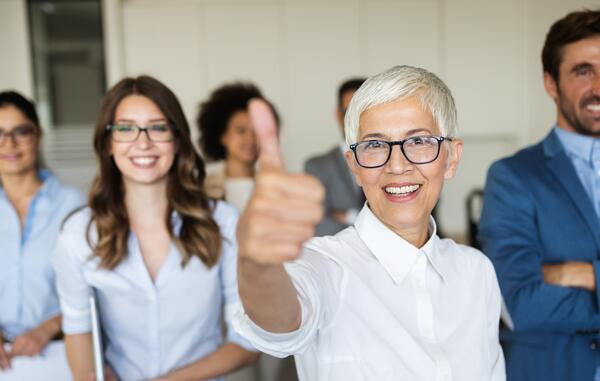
[66,53]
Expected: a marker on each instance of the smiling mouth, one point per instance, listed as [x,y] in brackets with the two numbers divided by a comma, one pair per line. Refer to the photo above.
[594,107]
[402,191]
[144,161]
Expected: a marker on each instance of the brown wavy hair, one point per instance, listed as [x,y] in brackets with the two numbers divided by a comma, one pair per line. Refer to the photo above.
[199,235]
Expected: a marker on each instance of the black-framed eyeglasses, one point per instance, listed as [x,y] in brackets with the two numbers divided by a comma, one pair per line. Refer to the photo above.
[127,133]
[416,149]
[20,135]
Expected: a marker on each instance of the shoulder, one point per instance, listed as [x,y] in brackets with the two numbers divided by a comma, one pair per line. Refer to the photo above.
[526,160]
[322,159]
[224,214]
[76,223]
[465,258]
[334,250]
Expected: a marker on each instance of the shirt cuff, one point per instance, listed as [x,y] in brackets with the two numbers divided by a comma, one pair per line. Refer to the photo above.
[277,344]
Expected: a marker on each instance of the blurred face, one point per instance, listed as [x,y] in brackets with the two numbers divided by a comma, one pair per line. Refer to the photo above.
[577,93]
[142,161]
[19,143]
[401,194]
[239,140]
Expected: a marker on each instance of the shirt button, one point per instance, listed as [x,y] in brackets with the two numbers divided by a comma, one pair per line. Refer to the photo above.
[593,345]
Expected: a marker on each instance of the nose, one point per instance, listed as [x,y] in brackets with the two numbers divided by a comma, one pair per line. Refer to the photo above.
[143,140]
[398,163]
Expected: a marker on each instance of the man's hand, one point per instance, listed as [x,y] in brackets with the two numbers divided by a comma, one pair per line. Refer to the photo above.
[570,274]
[31,343]
[4,357]
[284,208]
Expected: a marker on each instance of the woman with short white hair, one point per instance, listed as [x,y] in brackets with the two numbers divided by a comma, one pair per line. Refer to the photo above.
[385,299]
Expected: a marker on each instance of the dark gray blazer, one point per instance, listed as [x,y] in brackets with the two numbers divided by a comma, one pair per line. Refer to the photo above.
[342,193]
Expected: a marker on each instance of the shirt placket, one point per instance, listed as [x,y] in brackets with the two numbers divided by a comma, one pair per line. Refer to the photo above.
[425,318]
[596,168]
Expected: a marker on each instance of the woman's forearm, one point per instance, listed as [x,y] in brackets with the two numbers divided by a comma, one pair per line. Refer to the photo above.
[268,296]
[80,355]
[225,360]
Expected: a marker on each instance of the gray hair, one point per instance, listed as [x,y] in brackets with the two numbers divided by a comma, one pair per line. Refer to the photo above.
[401,82]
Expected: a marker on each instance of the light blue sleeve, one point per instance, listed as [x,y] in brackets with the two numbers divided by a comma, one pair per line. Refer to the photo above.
[227,218]
[70,254]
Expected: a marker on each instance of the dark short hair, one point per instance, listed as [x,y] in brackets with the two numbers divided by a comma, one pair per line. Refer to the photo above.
[351,84]
[216,112]
[12,98]
[573,27]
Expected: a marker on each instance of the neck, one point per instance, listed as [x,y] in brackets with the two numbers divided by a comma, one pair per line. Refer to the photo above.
[416,236]
[146,204]
[237,168]
[21,185]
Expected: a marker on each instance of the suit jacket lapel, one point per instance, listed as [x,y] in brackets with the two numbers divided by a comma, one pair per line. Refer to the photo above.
[560,165]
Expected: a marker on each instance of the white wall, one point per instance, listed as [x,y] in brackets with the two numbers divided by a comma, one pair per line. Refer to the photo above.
[15,65]
[298,51]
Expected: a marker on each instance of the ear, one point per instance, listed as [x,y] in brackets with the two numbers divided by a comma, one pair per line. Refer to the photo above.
[353,165]
[551,86]
[455,153]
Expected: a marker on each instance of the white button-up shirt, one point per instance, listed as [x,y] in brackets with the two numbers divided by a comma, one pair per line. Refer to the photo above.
[150,327]
[374,307]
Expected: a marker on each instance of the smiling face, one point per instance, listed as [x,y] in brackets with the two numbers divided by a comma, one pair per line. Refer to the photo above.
[577,93]
[142,161]
[401,194]
[17,156]
[239,140]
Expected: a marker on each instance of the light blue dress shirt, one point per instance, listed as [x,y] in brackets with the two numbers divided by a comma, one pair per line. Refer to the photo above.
[27,293]
[150,328]
[584,152]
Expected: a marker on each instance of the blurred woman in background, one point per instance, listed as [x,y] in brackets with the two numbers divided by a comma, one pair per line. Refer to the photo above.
[227,135]
[157,253]
[33,204]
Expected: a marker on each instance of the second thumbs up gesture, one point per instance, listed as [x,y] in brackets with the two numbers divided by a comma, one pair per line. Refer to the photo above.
[284,208]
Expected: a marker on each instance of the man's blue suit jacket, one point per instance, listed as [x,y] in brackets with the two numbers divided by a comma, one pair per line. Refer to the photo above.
[537,212]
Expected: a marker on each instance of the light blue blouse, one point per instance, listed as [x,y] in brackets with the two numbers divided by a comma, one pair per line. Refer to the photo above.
[27,293]
[150,327]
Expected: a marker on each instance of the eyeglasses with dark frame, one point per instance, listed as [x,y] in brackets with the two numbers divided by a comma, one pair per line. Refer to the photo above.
[128,133]
[20,135]
[416,149]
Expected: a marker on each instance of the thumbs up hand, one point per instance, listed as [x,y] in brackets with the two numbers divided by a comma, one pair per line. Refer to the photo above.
[284,208]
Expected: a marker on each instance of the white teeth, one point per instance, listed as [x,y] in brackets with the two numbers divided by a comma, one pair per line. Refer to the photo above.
[403,190]
[594,107]
[143,160]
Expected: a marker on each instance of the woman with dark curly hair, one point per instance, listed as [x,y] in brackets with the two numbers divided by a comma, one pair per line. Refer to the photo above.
[227,136]
[159,255]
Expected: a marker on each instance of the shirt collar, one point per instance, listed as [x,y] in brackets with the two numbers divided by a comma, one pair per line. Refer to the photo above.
[579,145]
[50,188]
[394,253]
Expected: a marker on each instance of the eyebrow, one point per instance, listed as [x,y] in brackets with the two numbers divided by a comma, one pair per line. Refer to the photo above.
[580,66]
[133,121]
[408,133]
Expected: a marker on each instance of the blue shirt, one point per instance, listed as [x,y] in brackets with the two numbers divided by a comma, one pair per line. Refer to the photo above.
[584,152]
[150,327]
[27,293]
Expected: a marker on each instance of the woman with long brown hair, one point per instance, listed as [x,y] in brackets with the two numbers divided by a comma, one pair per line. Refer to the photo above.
[158,254]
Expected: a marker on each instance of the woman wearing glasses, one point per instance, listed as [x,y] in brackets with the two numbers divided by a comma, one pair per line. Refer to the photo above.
[33,204]
[385,299]
[158,255]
